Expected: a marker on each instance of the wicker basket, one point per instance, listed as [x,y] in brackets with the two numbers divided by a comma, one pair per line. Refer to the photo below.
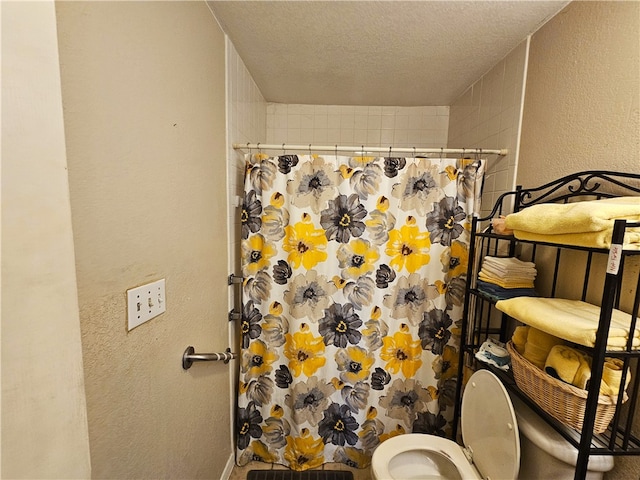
[562,401]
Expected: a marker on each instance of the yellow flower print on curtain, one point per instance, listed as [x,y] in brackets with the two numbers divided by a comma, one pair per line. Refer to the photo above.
[304,452]
[401,352]
[354,284]
[408,247]
[304,351]
[305,244]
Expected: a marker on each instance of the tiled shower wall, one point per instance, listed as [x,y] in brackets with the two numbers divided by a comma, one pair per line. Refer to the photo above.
[246,114]
[374,126]
[488,115]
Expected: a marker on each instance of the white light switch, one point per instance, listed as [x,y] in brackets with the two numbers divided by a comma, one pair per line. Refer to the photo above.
[145,302]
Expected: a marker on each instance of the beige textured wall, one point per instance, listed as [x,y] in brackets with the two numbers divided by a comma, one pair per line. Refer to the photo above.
[44,422]
[143,87]
[582,107]
[582,102]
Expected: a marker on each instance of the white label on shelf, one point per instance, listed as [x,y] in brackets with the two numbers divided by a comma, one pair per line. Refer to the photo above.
[613,263]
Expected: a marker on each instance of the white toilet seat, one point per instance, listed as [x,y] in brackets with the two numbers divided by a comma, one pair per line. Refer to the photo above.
[436,452]
[489,430]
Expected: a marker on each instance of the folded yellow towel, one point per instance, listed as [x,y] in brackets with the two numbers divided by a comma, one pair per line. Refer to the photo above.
[577,217]
[487,272]
[572,320]
[563,362]
[519,338]
[583,375]
[538,346]
[535,354]
[586,224]
[505,283]
[612,377]
[601,239]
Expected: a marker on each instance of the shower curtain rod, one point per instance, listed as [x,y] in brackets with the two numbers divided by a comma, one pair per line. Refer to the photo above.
[365,149]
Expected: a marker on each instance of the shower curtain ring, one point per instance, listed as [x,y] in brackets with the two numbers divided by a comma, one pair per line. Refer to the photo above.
[284,151]
[336,151]
[309,149]
[414,152]
[389,151]
[259,149]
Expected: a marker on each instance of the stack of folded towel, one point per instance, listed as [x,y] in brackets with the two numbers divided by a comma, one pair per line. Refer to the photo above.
[572,320]
[587,224]
[566,363]
[506,277]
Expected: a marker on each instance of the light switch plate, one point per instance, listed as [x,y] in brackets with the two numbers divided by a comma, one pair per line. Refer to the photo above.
[145,302]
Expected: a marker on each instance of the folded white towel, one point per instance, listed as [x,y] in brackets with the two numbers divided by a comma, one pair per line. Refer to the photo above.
[508,262]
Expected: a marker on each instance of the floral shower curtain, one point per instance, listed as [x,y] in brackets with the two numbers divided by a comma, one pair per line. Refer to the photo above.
[354,274]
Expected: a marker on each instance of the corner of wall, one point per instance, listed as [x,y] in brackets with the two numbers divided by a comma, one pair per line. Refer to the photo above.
[488,115]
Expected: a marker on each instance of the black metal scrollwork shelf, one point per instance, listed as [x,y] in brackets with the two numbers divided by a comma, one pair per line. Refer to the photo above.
[482,320]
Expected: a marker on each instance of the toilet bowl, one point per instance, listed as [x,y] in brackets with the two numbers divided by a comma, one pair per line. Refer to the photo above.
[545,454]
[489,431]
[504,439]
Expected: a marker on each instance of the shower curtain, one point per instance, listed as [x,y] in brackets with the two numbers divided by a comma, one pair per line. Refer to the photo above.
[354,274]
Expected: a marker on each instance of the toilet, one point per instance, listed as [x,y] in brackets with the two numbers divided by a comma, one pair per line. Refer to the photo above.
[546,454]
[504,439]
[489,431]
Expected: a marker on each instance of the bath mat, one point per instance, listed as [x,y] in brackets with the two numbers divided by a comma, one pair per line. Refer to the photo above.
[307,475]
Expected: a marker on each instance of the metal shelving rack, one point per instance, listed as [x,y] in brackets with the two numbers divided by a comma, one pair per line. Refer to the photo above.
[482,320]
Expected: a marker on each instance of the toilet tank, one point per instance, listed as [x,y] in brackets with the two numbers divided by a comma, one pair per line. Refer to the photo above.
[545,454]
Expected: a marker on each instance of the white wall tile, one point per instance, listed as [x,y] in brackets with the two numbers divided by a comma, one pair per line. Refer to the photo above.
[306,121]
[320,121]
[320,136]
[333,120]
[386,137]
[333,136]
[347,121]
[360,137]
[294,121]
[374,122]
[388,122]
[280,120]
[347,136]
[487,115]
[361,121]
[294,136]
[247,114]
[373,137]
[359,125]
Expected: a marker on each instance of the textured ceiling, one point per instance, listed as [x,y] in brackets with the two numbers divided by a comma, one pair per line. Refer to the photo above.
[375,52]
